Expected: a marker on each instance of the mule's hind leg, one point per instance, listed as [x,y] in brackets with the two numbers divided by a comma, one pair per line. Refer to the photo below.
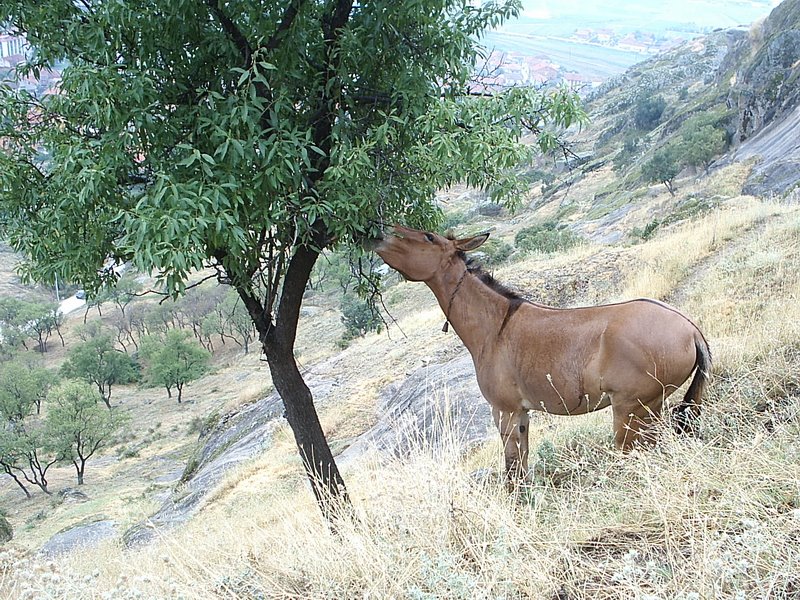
[513,428]
[633,421]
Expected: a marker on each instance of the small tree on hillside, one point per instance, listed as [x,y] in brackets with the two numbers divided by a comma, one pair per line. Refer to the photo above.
[12,325]
[22,386]
[124,292]
[174,360]
[25,454]
[76,425]
[239,323]
[39,320]
[663,168]
[701,144]
[98,362]
[196,305]
[11,456]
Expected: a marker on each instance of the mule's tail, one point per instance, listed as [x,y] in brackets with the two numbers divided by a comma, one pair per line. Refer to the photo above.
[687,411]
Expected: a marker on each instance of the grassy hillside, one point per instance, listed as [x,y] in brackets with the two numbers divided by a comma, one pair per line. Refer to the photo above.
[716,516]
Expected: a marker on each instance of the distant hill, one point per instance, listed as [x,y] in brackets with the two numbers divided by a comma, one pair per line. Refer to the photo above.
[743,80]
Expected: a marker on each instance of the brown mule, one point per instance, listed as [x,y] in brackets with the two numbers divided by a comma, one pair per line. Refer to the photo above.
[630,356]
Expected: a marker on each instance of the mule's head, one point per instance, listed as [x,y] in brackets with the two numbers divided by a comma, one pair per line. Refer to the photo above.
[420,255]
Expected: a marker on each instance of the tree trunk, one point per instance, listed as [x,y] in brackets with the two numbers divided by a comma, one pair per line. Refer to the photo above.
[8,471]
[80,468]
[323,474]
[277,340]
[180,392]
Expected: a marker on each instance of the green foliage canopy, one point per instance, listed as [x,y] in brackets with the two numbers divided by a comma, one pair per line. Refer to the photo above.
[174,360]
[77,425]
[647,111]
[545,237]
[241,147]
[663,167]
[22,387]
[701,141]
[99,362]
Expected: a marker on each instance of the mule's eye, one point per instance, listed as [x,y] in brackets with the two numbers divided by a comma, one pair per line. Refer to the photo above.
[429,237]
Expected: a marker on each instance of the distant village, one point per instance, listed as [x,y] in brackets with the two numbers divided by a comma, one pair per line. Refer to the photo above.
[500,70]
[507,69]
[14,50]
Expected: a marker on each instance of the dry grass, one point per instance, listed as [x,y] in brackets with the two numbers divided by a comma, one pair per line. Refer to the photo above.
[714,516]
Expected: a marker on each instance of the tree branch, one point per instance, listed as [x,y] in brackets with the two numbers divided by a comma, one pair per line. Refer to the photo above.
[233,32]
[288,18]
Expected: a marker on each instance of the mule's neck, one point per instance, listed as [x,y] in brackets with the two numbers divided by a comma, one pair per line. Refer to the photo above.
[472,308]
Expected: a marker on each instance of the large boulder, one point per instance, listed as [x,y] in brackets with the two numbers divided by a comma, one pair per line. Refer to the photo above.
[79,536]
[227,441]
[435,400]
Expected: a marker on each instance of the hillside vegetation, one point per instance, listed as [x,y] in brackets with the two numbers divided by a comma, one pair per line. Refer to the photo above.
[713,516]
[710,515]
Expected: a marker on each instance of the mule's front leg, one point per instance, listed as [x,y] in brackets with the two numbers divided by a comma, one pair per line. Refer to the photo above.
[513,428]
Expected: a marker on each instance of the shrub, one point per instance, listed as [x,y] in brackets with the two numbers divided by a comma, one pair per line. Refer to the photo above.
[647,112]
[495,252]
[546,238]
[454,218]
[359,317]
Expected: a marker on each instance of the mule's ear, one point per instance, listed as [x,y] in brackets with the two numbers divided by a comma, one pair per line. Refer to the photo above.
[467,244]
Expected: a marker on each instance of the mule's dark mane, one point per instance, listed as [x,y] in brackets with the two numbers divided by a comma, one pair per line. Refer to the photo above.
[489,281]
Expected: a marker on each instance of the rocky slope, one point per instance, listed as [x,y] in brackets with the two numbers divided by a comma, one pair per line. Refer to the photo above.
[749,76]
[746,78]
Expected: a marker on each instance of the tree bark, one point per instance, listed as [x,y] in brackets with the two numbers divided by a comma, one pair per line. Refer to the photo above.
[277,339]
[80,467]
[8,471]
[323,474]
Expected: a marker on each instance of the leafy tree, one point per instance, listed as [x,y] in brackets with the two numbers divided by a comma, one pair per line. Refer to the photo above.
[174,360]
[23,454]
[663,168]
[11,456]
[545,237]
[251,136]
[160,317]
[38,320]
[99,362]
[22,387]
[647,111]
[701,143]
[359,317]
[124,292]
[196,306]
[12,325]
[76,425]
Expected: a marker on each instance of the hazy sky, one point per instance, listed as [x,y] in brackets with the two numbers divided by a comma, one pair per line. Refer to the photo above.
[706,13]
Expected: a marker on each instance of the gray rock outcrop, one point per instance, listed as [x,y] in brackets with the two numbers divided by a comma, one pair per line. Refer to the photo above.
[80,536]
[225,442]
[435,401]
